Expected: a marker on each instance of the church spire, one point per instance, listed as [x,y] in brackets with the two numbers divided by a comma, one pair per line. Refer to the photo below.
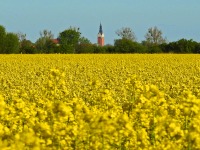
[100,36]
[100,29]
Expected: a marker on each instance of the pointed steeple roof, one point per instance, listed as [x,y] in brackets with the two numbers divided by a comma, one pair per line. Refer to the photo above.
[100,29]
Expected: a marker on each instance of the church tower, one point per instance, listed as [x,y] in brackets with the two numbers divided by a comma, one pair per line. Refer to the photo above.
[100,36]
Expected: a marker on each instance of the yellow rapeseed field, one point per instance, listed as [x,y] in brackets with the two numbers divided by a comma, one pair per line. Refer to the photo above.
[100,102]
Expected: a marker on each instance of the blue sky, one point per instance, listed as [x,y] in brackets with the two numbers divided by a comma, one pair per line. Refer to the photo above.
[176,18]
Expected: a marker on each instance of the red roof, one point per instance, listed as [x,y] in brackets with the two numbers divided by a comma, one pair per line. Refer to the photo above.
[55,41]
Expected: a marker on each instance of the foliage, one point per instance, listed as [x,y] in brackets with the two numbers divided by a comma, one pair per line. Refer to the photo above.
[84,48]
[69,39]
[44,44]
[154,49]
[84,40]
[27,47]
[183,46]
[99,49]
[123,46]
[128,46]
[2,39]
[11,43]
[109,48]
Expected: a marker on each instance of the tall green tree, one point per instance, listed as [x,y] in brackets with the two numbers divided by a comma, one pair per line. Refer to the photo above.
[44,43]
[69,39]
[123,46]
[126,33]
[27,47]
[12,43]
[128,46]
[2,39]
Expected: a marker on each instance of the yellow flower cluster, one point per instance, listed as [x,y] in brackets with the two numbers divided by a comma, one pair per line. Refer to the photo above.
[99,102]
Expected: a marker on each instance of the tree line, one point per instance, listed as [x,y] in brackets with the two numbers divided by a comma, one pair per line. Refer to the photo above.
[71,41]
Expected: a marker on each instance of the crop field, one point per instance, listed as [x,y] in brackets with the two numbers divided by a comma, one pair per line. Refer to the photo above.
[100,102]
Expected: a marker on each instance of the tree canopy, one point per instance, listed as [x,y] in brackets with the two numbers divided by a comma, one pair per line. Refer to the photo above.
[69,39]
[2,38]
[154,36]
[72,41]
[126,33]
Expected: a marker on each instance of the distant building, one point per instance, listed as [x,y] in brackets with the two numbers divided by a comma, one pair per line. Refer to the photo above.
[56,41]
[100,36]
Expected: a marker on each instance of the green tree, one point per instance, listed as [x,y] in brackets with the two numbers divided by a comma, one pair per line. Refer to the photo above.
[84,40]
[126,33]
[109,48]
[99,49]
[123,46]
[183,46]
[128,46]
[11,43]
[197,48]
[85,48]
[44,43]
[27,47]
[69,39]
[139,48]
[154,49]
[2,39]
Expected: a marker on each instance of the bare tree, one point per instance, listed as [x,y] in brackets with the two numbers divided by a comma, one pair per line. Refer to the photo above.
[154,36]
[126,33]
[46,34]
[21,36]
